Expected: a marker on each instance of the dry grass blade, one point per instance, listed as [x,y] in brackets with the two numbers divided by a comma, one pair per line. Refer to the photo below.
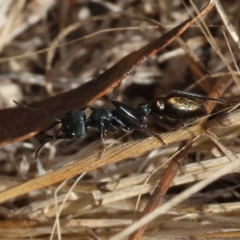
[75,52]
[167,206]
[115,154]
[226,21]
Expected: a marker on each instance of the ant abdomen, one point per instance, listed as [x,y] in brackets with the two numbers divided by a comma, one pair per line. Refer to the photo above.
[182,108]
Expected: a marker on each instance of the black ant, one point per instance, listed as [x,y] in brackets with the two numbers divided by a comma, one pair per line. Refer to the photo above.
[73,125]
[176,106]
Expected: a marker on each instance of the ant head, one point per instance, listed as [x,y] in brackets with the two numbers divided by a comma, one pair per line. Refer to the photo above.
[74,124]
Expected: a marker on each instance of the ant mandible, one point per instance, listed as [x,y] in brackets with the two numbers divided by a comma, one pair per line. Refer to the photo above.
[176,106]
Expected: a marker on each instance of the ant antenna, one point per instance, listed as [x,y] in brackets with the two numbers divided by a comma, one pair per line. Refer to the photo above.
[202,97]
[37,109]
[41,146]
[222,101]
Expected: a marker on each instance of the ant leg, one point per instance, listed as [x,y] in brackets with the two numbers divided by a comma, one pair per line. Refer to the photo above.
[164,125]
[102,132]
[144,127]
[134,118]
[127,129]
[103,148]
[156,135]
[193,96]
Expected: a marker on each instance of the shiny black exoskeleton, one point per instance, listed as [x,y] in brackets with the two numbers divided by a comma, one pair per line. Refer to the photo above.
[73,125]
[105,120]
[177,105]
[133,118]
